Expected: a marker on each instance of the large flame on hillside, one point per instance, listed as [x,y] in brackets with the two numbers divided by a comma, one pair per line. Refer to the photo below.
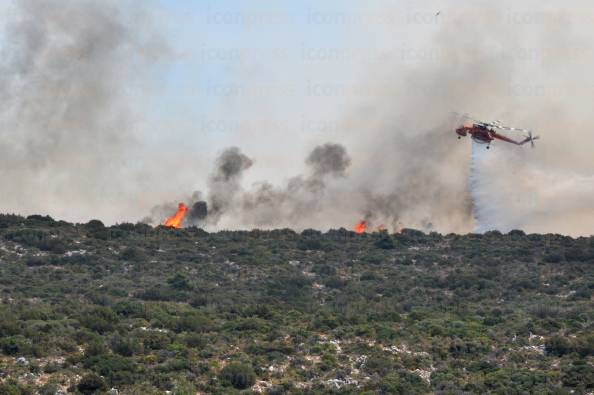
[176,220]
[360,227]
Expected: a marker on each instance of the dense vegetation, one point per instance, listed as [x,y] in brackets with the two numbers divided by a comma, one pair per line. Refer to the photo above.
[138,310]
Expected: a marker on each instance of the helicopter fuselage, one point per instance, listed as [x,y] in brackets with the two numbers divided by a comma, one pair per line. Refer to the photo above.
[478,133]
[481,134]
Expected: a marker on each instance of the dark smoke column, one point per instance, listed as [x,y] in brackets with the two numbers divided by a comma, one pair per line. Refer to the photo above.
[328,159]
[198,212]
[225,182]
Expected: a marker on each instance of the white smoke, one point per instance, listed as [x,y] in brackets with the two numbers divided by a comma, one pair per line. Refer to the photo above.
[511,191]
[68,71]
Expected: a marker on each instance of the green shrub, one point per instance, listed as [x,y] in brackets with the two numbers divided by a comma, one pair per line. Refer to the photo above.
[9,389]
[584,345]
[91,384]
[99,319]
[379,364]
[179,282]
[126,346]
[30,237]
[238,375]
[577,253]
[558,345]
[34,261]
[554,257]
[579,373]
[194,322]
[195,340]
[133,254]
[128,308]
[384,242]
[390,384]
[48,389]
[94,224]
[16,345]
[335,282]
[309,244]
[155,340]
[115,368]
[8,326]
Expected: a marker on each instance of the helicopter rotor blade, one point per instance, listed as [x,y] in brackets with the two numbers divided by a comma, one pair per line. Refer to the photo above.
[514,129]
[466,116]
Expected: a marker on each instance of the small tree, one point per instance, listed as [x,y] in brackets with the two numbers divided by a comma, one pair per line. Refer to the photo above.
[558,345]
[238,375]
[94,224]
[91,383]
[384,242]
[49,389]
[179,282]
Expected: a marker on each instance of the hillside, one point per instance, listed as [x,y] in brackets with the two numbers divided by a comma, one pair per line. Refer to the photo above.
[146,310]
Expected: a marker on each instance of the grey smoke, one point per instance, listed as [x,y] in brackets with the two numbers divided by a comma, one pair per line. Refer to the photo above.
[295,204]
[225,182]
[415,179]
[66,70]
[328,159]
[229,205]
[198,212]
[266,205]
[230,165]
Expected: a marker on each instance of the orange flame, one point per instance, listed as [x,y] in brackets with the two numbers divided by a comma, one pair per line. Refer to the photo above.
[361,227]
[176,220]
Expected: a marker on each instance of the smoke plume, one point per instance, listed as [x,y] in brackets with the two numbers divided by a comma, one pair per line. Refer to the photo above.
[302,201]
[553,200]
[198,212]
[224,183]
[66,68]
[328,159]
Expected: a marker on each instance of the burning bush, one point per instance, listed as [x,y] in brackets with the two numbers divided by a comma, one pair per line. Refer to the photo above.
[176,220]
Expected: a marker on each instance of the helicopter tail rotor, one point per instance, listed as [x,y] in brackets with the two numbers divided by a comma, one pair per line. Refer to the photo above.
[530,138]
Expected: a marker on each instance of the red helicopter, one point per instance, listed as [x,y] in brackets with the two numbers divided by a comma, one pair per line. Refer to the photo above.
[484,132]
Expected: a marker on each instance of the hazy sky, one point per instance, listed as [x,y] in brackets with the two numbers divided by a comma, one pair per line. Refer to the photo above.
[275,77]
[248,73]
